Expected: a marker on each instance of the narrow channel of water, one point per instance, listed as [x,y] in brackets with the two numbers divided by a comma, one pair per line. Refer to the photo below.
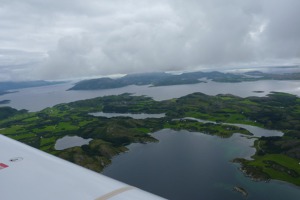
[134,116]
[256,131]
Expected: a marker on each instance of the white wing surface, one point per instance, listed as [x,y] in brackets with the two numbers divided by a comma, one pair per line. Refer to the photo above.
[28,173]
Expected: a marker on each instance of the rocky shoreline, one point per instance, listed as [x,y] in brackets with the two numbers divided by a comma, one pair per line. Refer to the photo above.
[253,172]
[241,190]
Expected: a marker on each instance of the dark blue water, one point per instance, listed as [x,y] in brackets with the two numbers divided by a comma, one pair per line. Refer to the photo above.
[184,165]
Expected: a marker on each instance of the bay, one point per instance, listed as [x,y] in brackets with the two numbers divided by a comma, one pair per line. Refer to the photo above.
[190,165]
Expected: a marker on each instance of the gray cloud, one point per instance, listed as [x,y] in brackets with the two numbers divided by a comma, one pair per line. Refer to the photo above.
[97,37]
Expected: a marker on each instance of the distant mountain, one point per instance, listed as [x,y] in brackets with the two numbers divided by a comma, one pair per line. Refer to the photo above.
[4,86]
[283,76]
[157,79]
[164,79]
[6,112]
[132,79]
[4,92]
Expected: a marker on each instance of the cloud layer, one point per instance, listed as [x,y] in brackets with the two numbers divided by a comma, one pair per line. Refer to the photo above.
[74,38]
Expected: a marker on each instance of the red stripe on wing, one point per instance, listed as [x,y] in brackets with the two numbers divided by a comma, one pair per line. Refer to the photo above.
[2,166]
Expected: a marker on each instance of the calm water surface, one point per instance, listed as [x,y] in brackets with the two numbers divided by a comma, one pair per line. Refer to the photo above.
[35,99]
[185,165]
[134,116]
[70,141]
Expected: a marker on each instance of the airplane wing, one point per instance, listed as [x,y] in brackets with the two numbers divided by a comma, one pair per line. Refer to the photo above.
[28,173]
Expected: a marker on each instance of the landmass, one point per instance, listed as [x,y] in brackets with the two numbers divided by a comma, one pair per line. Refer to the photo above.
[269,76]
[5,92]
[154,79]
[258,91]
[164,79]
[221,130]
[11,85]
[275,158]
[4,102]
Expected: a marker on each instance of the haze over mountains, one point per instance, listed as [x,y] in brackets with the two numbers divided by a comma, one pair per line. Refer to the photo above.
[164,79]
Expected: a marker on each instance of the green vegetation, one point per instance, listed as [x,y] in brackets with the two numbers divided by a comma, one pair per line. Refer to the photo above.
[276,157]
[220,130]
[272,166]
[6,112]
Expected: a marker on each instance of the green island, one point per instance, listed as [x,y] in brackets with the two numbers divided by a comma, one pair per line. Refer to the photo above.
[275,158]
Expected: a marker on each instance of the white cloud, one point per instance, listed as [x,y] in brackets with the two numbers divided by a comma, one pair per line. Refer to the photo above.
[97,37]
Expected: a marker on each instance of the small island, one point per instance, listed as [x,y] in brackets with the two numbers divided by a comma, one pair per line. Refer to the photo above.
[258,91]
[241,190]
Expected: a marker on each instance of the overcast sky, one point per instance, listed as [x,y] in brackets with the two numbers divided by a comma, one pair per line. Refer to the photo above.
[59,39]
